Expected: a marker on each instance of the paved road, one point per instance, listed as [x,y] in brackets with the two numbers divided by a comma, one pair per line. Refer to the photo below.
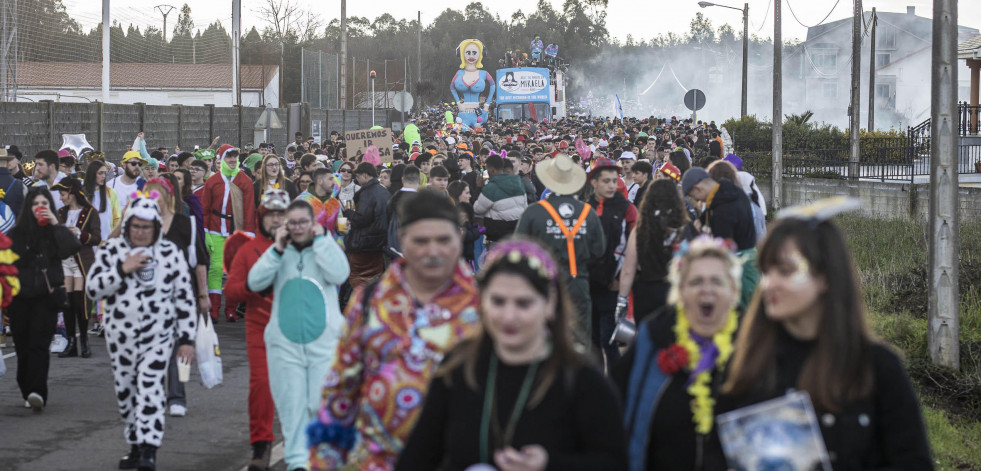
[80,429]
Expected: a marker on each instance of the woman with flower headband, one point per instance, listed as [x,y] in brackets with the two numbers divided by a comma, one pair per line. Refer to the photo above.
[670,376]
[806,330]
[518,395]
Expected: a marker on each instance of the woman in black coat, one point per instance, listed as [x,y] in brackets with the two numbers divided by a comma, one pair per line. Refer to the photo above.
[806,330]
[42,243]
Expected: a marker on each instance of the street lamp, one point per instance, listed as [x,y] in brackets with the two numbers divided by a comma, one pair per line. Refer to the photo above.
[745,11]
[372,75]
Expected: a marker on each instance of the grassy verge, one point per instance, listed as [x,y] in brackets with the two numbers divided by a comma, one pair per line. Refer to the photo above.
[891,257]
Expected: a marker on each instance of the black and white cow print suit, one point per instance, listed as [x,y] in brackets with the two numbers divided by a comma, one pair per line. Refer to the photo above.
[142,312]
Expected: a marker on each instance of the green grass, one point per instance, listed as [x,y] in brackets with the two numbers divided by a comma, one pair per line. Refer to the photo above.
[891,258]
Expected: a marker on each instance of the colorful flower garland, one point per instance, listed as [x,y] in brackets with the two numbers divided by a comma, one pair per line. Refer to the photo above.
[702,403]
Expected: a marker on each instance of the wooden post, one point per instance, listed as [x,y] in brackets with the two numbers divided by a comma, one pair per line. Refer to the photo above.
[943,323]
[100,119]
[180,126]
[211,122]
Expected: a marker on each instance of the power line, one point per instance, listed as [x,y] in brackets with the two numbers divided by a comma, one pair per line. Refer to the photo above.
[820,22]
[765,15]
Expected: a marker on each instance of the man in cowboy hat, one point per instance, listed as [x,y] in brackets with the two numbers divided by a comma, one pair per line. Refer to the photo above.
[570,228]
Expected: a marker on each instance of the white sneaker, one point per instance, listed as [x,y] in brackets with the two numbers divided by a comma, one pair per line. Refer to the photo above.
[96,328]
[35,401]
[177,410]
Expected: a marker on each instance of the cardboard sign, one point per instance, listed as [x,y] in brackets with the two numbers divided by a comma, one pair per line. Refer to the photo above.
[358,141]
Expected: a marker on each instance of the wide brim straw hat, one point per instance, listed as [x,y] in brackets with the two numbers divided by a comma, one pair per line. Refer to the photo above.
[561,175]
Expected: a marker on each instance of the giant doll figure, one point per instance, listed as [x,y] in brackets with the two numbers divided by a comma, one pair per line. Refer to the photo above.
[469,83]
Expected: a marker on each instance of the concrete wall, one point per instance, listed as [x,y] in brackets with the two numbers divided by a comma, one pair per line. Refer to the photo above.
[883,200]
[111,128]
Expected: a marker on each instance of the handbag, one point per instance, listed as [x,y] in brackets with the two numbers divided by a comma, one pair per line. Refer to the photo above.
[208,354]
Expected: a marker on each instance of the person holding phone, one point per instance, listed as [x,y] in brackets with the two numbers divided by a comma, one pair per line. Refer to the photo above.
[304,267]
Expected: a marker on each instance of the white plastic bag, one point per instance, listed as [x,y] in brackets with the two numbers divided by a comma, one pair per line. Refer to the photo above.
[208,354]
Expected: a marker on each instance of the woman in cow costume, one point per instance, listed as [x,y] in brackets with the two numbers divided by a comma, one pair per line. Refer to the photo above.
[146,285]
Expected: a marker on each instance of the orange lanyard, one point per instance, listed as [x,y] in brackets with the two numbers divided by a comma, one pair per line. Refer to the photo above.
[570,235]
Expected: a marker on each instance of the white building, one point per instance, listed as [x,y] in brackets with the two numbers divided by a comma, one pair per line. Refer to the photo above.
[902,70]
[153,84]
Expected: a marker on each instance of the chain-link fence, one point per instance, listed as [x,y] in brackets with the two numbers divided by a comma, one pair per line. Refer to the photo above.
[319,82]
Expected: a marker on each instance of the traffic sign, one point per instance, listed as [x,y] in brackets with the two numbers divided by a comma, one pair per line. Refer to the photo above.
[694,99]
[402,101]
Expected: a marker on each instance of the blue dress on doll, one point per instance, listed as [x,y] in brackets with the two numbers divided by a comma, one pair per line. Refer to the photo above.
[471,94]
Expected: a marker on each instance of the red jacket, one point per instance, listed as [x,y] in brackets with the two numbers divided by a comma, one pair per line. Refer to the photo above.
[257,306]
[213,199]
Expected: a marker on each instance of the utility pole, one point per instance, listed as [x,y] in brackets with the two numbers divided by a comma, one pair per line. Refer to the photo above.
[777,145]
[8,50]
[874,20]
[105,51]
[419,45]
[943,323]
[853,112]
[743,106]
[236,49]
[343,67]
[161,9]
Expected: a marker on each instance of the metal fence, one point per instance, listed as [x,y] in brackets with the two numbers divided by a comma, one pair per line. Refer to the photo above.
[319,79]
[882,159]
[111,127]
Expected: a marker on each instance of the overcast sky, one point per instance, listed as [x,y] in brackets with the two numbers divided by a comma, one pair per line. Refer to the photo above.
[642,19]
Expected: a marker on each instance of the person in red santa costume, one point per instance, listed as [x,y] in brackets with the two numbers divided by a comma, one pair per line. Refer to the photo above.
[228,205]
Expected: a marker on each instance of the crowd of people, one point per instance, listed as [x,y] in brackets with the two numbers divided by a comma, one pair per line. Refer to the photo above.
[581,294]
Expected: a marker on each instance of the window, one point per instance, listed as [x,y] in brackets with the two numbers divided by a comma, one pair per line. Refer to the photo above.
[883,90]
[882,60]
[826,61]
[829,90]
[885,39]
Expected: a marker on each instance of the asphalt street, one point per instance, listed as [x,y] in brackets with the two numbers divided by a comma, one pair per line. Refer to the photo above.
[80,428]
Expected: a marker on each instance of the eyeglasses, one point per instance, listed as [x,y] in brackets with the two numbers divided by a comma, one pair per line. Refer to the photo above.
[300,223]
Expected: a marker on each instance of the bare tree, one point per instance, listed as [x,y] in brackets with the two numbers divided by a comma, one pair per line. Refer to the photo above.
[285,18]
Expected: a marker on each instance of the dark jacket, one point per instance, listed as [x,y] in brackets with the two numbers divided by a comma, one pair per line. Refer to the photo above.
[289,188]
[392,246]
[14,190]
[882,431]
[660,431]
[41,257]
[589,243]
[369,224]
[730,215]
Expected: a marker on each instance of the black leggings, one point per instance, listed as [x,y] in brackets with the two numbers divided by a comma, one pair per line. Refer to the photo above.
[76,314]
